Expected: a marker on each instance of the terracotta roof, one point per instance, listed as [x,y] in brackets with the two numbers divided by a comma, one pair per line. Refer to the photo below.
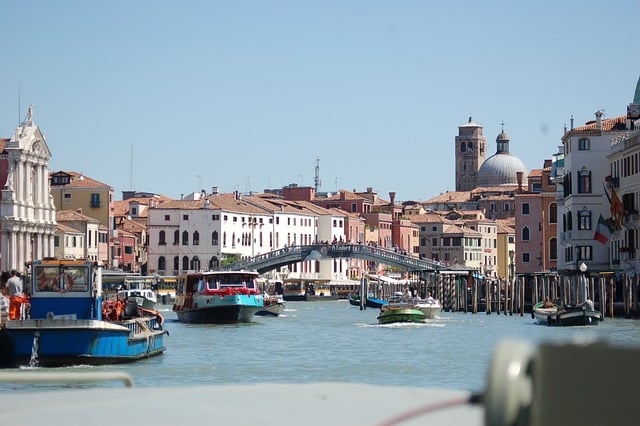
[78,180]
[608,124]
[428,218]
[451,196]
[72,215]
[66,229]
[535,173]
[455,229]
[503,228]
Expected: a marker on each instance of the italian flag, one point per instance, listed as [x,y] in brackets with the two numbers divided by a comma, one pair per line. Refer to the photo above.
[602,231]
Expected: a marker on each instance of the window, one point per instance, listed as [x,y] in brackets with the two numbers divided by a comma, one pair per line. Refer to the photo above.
[161,238]
[196,238]
[525,233]
[215,217]
[584,144]
[162,263]
[176,237]
[56,241]
[134,211]
[553,213]
[176,263]
[583,252]
[167,217]
[584,181]
[584,220]
[525,208]
[185,239]
[434,242]
[128,249]
[67,198]
[569,221]
[95,200]
[354,207]
[185,217]
[553,249]
[185,263]
[463,147]
[525,257]
[214,238]
[506,207]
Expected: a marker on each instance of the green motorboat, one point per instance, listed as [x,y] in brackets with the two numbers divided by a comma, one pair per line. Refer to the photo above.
[390,315]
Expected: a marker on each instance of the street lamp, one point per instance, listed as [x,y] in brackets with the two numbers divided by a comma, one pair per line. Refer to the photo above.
[583,269]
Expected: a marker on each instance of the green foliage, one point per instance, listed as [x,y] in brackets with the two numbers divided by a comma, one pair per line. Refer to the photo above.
[230,259]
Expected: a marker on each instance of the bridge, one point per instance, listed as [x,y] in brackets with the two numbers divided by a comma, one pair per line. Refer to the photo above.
[285,256]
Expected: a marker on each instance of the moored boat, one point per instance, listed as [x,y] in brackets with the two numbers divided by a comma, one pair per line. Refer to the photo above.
[371,302]
[394,314]
[567,315]
[217,297]
[68,323]
[144,297]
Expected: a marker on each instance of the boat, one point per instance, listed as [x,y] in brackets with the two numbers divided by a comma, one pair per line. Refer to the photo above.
[430,307]
[372,302]
[394,314]
[273,305]
[568,315]
[217,297]
[69,323]
[144,297]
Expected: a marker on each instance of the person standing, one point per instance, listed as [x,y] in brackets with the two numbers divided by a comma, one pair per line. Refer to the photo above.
[16,295]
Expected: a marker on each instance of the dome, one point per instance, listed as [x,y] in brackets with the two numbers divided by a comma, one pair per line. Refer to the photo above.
[500,169]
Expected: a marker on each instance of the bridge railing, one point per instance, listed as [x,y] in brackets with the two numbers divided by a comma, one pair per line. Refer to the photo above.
[293,254]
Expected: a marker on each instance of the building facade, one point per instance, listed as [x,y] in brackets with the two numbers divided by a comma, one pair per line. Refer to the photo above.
[27,211]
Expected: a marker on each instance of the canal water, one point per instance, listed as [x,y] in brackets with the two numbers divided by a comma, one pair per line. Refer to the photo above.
[334,341]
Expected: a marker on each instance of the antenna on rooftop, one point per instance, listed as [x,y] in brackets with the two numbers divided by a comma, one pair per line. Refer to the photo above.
[131,168]
[317,177]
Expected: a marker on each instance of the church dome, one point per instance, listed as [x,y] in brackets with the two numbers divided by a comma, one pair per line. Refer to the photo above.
[501,168]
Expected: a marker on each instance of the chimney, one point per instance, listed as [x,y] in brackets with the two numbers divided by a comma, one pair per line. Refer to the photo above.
[215,190]
[598,120]
[571,121]
[519,179]
[392,198]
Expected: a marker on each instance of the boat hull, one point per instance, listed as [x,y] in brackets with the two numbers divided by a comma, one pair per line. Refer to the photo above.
[60,342]
[567,316]
[391,316]
[273,310]
[371,302]
[227,309]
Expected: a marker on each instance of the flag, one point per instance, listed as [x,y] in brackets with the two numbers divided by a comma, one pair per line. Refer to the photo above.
[602,231]
[617,210]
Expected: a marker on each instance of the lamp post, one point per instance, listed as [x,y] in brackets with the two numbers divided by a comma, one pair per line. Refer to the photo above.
[583,269]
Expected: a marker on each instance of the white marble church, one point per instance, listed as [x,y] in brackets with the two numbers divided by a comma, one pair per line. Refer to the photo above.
[27,211]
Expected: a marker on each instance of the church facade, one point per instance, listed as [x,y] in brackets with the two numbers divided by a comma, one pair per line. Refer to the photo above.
[27,211]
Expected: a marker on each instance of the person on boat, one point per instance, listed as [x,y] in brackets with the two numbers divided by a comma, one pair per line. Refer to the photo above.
[16,295]
[547,303]
[589,304]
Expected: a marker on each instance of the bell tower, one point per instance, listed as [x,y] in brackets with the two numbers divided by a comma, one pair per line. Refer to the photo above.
[470,154]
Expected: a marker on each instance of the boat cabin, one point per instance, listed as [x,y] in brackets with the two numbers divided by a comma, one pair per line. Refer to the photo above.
[67,283]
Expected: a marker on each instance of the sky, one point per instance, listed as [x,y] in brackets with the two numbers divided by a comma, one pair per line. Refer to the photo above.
[173,97]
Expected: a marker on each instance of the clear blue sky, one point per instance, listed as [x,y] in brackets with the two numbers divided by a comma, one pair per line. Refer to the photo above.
[176,96]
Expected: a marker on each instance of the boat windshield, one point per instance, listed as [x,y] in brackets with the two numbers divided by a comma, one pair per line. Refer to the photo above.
[236,280]
[57,278]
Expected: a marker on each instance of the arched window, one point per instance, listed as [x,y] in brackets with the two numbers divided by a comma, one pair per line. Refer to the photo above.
[196,238]
[553,213]
[214,263]
[470,147]
[185,263]
[195,263]
[214,238]
[185,238]
[553,249]
[162,238]
[224,239]
[176,237]
[233,239]
[525,233]
[569,221]
[463,147]
[162,263]
[176,263]
[584,181]
[584,220]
